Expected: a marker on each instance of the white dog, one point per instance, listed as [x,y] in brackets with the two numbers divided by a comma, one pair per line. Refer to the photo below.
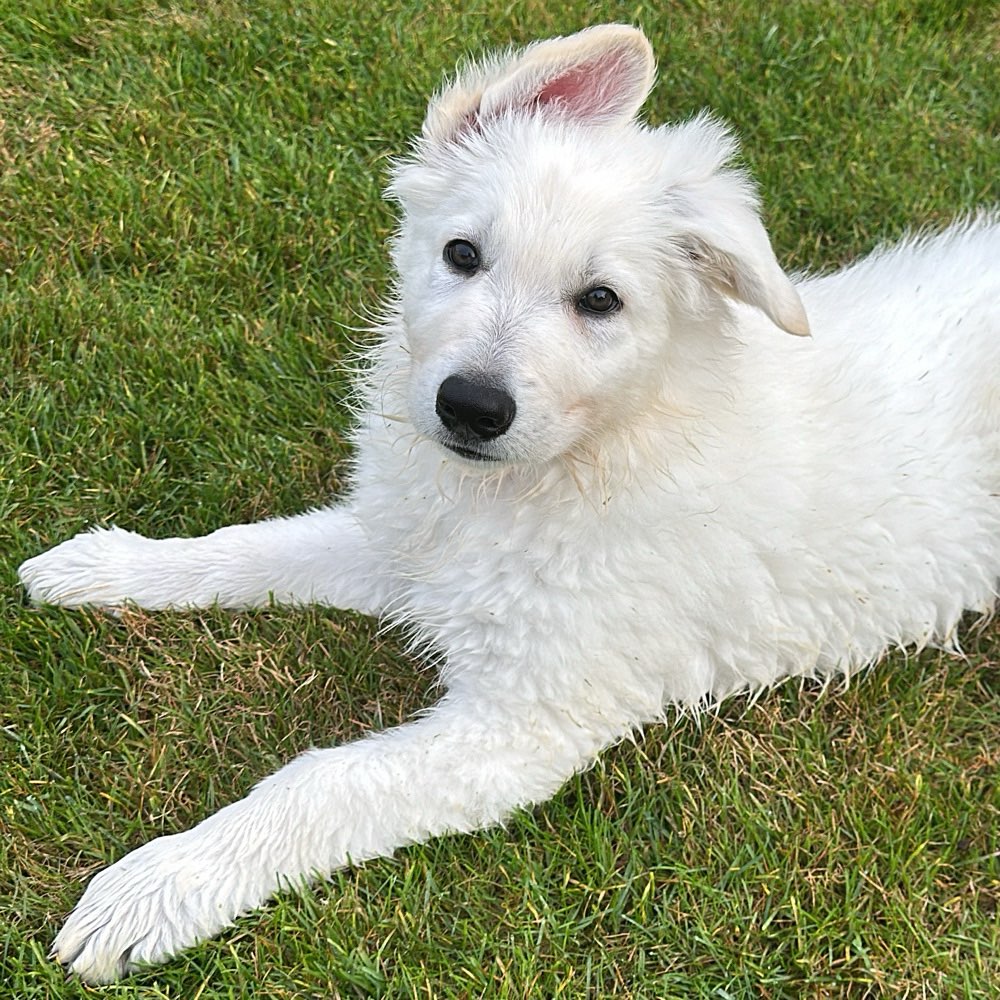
[594,476]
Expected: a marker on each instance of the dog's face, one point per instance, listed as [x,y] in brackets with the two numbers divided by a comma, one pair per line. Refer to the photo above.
[532,295]
[547,247]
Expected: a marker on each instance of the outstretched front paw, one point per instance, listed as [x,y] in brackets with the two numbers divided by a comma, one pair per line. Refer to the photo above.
[97,567]
[163,897]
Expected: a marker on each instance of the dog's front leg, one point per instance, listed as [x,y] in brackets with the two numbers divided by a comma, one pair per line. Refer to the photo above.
[322,557]
[465,765]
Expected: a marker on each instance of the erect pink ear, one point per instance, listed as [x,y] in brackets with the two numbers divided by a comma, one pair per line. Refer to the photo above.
[600,75]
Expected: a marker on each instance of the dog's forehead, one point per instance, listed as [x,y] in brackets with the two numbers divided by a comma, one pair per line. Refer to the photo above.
[533,167]
[554,186]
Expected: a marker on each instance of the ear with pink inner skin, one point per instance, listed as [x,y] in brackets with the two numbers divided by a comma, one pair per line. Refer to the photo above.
[600,75]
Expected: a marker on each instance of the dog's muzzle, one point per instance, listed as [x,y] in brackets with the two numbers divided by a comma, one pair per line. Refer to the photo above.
[473,413]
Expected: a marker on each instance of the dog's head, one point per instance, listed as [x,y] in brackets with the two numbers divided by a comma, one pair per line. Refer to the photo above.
[551,248]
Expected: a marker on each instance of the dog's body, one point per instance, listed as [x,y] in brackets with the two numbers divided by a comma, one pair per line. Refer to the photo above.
[594,476]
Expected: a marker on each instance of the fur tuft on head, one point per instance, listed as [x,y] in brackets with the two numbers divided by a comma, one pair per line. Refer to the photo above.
[600,75]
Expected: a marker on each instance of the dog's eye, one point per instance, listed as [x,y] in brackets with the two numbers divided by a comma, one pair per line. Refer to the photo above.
[462,256]
[599,300]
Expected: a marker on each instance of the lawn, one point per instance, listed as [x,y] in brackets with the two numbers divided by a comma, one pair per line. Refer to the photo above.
[191,239]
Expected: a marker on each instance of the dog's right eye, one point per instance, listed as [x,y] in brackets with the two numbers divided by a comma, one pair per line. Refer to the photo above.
[462,256]
[599,301]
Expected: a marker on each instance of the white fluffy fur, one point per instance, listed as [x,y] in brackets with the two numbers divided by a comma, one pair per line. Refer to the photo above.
[688,503]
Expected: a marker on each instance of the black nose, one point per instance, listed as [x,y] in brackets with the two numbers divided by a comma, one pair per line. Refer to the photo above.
[473,410]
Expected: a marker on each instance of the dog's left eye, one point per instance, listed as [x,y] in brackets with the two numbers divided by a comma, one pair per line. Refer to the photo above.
[462,255]
[599,300]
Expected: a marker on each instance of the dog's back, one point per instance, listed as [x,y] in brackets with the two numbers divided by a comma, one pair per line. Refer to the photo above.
[923,318]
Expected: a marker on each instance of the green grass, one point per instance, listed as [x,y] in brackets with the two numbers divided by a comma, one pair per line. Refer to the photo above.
[190,226]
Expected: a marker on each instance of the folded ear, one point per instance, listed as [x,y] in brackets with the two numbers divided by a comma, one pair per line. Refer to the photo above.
[733,253]
[600,75]
[719,226]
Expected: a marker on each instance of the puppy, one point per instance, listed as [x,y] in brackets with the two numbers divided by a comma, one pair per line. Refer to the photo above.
[601,468]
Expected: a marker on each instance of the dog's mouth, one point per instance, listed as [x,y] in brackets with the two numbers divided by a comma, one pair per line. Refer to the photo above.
[472,454]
